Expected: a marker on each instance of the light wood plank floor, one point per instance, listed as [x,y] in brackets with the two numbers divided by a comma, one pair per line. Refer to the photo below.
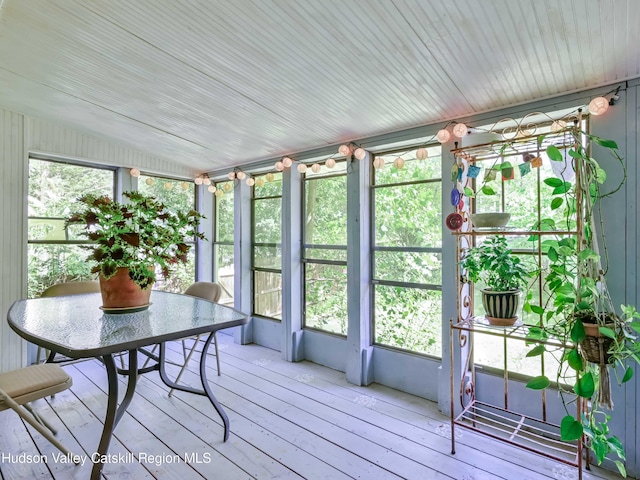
[288,421]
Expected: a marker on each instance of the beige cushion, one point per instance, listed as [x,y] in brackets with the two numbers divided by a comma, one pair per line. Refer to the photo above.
[71,288]
[207,290]
[34,382]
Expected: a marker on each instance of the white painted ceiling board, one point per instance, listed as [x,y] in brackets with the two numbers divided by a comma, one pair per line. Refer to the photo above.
[211,84]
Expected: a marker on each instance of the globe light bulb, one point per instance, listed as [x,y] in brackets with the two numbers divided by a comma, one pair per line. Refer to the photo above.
[460,130]
[315,168]
[198,181]
[227,187]
[211,188]
[443,135]
[185,185]
[330,163]
[344,150]
[218,193]
[168,186]
[360,153]
[399,163]
[598,106]
[149,181]
[287,162]
[231,175]
[279,166]
[260,182]
[378,163]
[302,167]
[240,175]
[251,182]
[270,177]
[421,153]
[134,172]
[206,181]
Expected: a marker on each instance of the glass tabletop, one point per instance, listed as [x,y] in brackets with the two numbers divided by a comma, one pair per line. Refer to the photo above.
[74,325]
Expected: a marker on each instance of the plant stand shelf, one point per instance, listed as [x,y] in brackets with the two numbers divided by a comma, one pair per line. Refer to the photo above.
[520,430]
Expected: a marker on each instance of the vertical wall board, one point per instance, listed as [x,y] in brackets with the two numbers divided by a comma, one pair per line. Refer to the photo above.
[12,233]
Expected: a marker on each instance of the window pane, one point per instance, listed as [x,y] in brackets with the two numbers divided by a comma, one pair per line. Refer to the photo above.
[225,273]
[408,215]
[326,211]
[412,168]
[51,264]
[177,195]
[183,276]
[224,214]
[408,318]
[413,267]
[270,188]
[267,294]
[267,227]
[267,257]
[326,297]
[54,188]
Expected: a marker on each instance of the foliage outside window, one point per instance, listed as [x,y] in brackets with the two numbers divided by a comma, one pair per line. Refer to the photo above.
[55,254]
[407,251]
[325,249]
[267,247]
[223,241]
[177,195]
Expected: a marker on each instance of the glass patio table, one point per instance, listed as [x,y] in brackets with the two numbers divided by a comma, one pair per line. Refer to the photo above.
[75,326]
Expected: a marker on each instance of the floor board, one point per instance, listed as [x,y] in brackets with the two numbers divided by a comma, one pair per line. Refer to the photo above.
[288,421]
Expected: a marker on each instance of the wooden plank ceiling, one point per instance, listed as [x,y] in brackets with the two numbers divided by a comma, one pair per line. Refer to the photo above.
[216,83]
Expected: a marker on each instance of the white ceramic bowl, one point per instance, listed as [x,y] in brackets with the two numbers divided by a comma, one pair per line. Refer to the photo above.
[488,220]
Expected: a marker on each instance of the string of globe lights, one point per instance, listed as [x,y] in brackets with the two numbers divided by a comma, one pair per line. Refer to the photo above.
[597,106]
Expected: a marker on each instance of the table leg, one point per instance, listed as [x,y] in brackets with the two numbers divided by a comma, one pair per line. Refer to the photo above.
[205,384]
[114,412]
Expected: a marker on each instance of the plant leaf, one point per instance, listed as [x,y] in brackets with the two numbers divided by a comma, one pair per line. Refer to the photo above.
[628,374]
[563,188]
[554,154]
[553,254]
[585,386]
[604,142]
[577,332]
[570,429]
[538,383]
[535,351]
[556,203]
[537,310]
[607,332]
[553,182]
[635,325]
[575,360]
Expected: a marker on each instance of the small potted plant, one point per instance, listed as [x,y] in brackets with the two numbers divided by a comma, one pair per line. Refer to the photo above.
[502,273]
[133,240]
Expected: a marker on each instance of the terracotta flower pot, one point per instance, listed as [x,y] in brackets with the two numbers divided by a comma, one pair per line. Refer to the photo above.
[121,292]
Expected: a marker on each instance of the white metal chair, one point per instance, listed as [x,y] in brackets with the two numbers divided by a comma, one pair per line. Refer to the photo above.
[209,291]
[18,387]
[67,288]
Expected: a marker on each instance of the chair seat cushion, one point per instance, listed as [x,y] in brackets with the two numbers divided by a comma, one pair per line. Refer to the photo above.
[31,383]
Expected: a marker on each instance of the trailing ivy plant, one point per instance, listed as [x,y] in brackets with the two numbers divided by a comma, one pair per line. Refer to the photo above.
[576,295]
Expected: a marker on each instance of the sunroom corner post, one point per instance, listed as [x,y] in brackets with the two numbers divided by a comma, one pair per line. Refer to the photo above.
[359,368]
[292,333]
[449,290]
[242,285]
[204,248]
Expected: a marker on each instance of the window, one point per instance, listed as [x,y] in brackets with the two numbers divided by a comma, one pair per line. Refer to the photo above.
[267,247]
[407,251]
[325,249]
[55,253]
[223,241]
[177,195]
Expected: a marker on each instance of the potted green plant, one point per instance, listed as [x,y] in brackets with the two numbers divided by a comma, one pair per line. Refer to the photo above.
[578,302]
[133,240]
[503,275]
